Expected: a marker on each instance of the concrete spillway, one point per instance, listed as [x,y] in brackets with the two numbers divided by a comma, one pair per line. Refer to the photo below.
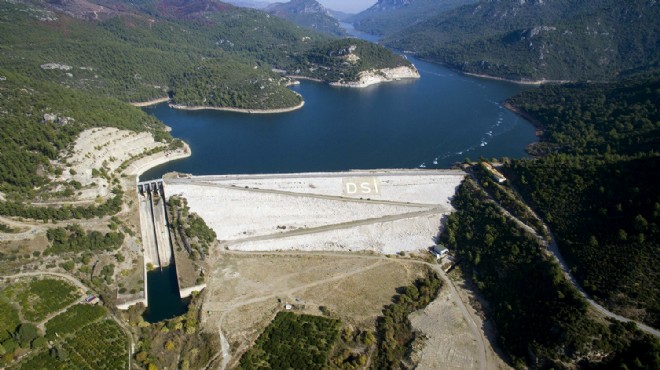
[154,228]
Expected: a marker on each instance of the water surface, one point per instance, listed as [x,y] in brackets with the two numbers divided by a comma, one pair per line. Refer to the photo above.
[433,122]
[164,299]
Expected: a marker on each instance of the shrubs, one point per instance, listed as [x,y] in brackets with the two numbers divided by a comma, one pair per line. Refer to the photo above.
[293,341]
[395,334]
[74,239]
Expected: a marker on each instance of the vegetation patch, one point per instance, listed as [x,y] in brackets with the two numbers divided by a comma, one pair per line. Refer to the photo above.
[73,238]
[101,345]
[179,342]
[8,318]
[39,298]
[394,331]
[66,212]
[73,319]
[293,341]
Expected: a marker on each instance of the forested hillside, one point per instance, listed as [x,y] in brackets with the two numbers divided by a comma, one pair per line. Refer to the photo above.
[308,14]
[542,322]
[29,141]
[535,40]
[140,53]
[391,16]
[598,188]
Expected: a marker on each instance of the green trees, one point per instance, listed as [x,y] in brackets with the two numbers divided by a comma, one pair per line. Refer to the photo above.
[73,238]
[561,40]
[542,321]
[394,330]
[597,191]
[293,341]
[231,83]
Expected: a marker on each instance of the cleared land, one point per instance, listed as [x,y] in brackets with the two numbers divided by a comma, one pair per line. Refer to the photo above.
[246,290]
[449,343]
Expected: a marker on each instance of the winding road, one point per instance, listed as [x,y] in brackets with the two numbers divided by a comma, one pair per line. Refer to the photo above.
[554,252]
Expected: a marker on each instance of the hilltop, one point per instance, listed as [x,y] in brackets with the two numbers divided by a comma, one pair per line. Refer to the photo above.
[540,40]
[391,16]
[308,14]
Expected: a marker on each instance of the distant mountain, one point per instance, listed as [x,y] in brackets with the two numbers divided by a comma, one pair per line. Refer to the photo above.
[308,14]
[248,3]
[390,16]
[340,15]
[540,39]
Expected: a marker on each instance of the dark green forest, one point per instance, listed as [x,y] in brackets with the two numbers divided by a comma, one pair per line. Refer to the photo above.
[542,321]
[135,56]
[532,40]
[597,187]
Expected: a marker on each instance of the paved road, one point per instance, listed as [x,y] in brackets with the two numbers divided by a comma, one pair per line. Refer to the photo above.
[305,175]
[339,226]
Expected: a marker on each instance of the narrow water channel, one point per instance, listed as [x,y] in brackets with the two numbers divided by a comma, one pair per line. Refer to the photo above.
[163,295]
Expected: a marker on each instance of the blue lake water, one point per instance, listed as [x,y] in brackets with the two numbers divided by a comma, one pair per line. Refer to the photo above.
[405,124]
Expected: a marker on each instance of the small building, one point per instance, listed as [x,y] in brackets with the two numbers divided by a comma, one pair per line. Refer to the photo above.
[92,299]
[438,251]
[497,175]
[288,306]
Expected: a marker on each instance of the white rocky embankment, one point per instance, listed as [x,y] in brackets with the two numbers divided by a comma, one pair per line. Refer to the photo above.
[105,150]
[376,76]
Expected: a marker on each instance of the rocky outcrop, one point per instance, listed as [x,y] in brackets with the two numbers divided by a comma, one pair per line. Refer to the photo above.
[376,76]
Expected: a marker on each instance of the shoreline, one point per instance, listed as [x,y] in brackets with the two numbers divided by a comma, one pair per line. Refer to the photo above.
[239,110]
[531,119]
[143,165]
[362,85]
[495,78]
[150,102]
[296,77]
[518,82]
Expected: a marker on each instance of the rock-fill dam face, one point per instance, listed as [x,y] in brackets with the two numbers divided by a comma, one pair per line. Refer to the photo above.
[156,240]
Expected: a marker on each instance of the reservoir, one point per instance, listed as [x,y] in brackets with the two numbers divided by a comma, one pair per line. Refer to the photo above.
[433,122]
